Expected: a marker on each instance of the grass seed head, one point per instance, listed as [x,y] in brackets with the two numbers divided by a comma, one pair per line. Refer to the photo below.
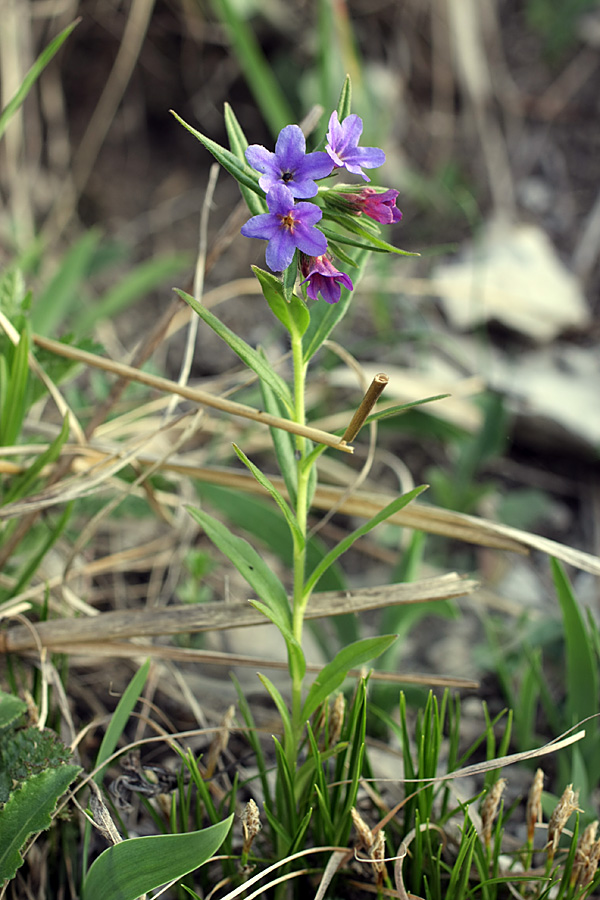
[489,809]
[534,805]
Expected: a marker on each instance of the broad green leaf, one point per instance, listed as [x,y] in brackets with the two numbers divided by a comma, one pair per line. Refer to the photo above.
[325,316]
[238,144]
[264,84]
[249,564]
[33,74]
[246,353]
[135,866]
[279,500]
[293,315]
[28,810]
[131,287]
[333,674]
[11,708]
[242,173]
[389,510]
[62,295]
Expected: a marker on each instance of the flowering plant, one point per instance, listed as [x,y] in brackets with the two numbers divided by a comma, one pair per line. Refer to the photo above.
[311,224]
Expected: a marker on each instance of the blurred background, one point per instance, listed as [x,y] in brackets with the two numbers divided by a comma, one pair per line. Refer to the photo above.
[488,111]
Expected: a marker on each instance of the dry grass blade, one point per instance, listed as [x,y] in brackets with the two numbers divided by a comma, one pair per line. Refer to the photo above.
[194,394]
[218,616]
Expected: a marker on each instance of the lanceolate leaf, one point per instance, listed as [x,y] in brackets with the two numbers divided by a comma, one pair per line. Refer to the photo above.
[28,810]
[333,674]
[238,143]
[242,173]
[293,315]
[248,563]
[246,353]
[382,515]
[130,869]
[279,500]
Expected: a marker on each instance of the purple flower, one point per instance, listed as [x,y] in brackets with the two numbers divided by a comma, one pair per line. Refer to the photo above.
[323,278]
[381,207]
[343,138]
[286,227]
[290,165]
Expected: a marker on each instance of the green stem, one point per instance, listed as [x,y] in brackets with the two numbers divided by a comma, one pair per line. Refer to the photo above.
[299,602]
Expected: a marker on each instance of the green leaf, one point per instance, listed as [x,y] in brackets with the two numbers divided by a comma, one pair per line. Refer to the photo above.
[130,288]
[33,74]
[15,377]
[133,867]
[344,106]
[370,242]
[246,353]
[11,708]
[242,173]
[582,674]
[393,507]
[334,673]
[281,709]
[248,563]
[28,810]
[293,315]
[238,144]
[283,443]
[20,485]
[279,500]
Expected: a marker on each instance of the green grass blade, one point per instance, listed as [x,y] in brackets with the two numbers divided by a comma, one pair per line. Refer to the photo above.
[246,353]
[33,74]
[133,867]
[393,507]
[267,94]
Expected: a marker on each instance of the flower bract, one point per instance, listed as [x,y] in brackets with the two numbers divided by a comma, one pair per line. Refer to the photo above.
[323,278]
[290,165]
[379,206]
[342,146]
[287,226]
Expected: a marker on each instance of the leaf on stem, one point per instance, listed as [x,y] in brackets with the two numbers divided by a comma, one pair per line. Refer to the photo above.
[246,353]
[389,510]
[334,673]
[262,479]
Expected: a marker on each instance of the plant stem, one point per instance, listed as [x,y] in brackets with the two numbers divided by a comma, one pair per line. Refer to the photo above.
[303,472]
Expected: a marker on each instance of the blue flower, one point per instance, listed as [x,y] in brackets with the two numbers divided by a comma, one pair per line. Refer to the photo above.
[290,165]
[324,278]
[287,226]
[342,146]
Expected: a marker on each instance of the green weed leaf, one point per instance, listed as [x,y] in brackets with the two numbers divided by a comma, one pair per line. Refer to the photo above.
[133,867]
[28,810]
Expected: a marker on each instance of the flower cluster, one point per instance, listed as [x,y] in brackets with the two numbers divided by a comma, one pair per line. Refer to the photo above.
[290,174]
